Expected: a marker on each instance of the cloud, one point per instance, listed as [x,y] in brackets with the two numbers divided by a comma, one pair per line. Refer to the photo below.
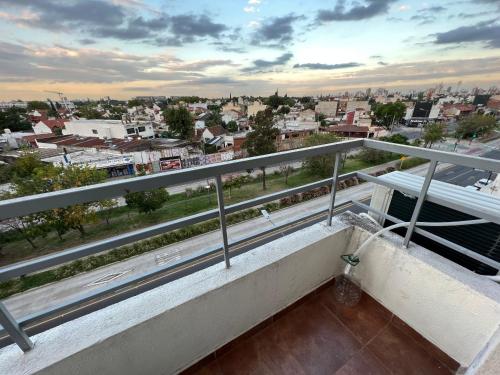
[260,64]
[319,66]
[51,14]
[86,41]
[249,9]
[358,11]
[64,64]
[275,32]
[101,19]
[382,63]
[487,32]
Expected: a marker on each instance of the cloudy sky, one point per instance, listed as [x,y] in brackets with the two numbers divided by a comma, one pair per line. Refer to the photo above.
[124,48]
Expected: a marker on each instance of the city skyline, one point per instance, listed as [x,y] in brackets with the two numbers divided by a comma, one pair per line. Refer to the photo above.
[125,48]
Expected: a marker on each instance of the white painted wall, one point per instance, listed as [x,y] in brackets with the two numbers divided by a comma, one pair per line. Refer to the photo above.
[452,307]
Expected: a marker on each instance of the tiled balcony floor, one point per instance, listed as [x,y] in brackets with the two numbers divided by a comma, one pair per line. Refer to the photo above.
[319,336]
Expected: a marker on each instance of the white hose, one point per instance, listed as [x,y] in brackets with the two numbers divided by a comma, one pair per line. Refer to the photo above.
[418,224]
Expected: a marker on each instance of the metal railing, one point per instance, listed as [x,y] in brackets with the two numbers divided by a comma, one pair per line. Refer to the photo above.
[31,204]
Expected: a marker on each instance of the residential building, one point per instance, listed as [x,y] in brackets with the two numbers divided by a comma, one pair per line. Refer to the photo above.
[105,129]
[230,115]
[255,107]
[353,105]
[48,126]
[327,108]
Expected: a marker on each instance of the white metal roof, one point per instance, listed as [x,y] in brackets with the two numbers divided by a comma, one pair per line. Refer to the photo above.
[475,203]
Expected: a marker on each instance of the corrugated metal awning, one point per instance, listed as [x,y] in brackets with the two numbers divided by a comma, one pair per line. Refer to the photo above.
[474,203]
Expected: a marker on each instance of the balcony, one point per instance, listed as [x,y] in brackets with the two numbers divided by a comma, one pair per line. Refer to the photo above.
[270,307]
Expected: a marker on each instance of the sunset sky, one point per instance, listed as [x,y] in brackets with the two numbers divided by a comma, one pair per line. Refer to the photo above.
[124,48]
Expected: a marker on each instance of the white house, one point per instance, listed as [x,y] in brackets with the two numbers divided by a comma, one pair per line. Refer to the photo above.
[230,115]
[48,126]
[255,107]
[106,129]
[329,109]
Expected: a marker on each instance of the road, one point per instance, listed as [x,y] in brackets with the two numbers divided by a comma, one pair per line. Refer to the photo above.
[465,176]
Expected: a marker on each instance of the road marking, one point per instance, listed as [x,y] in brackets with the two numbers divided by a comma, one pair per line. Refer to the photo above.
[109,277]
[165,258]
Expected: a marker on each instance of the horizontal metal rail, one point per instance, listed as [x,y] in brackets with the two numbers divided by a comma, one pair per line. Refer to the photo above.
[35,203]
[432,236]
[440,156]
[117,291]
[46,261]
[21,206]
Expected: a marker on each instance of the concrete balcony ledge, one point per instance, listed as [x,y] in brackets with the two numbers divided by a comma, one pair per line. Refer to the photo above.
[173,326]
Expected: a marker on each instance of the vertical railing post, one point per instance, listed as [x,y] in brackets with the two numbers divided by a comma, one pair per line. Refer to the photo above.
[336,168]
[222,218]
[420,202]
[14,330]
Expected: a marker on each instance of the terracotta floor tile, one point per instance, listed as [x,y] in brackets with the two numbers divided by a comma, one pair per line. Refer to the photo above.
[364,320]
[403,355]
[315,338]
[363,363]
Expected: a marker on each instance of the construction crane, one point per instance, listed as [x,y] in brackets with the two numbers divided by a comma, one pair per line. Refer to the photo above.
[61,97]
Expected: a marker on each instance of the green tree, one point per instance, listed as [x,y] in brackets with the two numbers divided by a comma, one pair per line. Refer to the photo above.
[284,110]
[321,165]
[396,138]
[232,126]
[235,182]
[434,132]
[14,119]
[36,104]
[147,201]
[213,119]
[135,103]
[389,114]
[475,126]
[50,178]
[180,122]
[89,112]
[262,139]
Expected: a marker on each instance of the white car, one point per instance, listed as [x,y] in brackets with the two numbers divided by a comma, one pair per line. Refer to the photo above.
[482,183]
[470,187]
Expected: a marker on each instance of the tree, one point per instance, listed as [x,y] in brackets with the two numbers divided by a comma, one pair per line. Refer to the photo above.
[14,119]
[284,110]
[285,170]
[36,104]
[389,114]
[235,182]
[135,103]
[232,126]
[321,165]
[180,122]
[396,138]
[52,178]
[475,126]
[434,132]
[147,201]
[213,119]
[262,140]
[89,112]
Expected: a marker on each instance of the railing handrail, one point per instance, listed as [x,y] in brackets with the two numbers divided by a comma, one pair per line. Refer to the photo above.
[26,205]
[21,206]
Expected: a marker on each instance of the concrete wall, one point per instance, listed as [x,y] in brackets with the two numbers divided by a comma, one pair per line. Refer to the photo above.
[453,308]
[173,326]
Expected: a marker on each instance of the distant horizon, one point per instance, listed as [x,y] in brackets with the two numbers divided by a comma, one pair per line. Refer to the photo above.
[126,48]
